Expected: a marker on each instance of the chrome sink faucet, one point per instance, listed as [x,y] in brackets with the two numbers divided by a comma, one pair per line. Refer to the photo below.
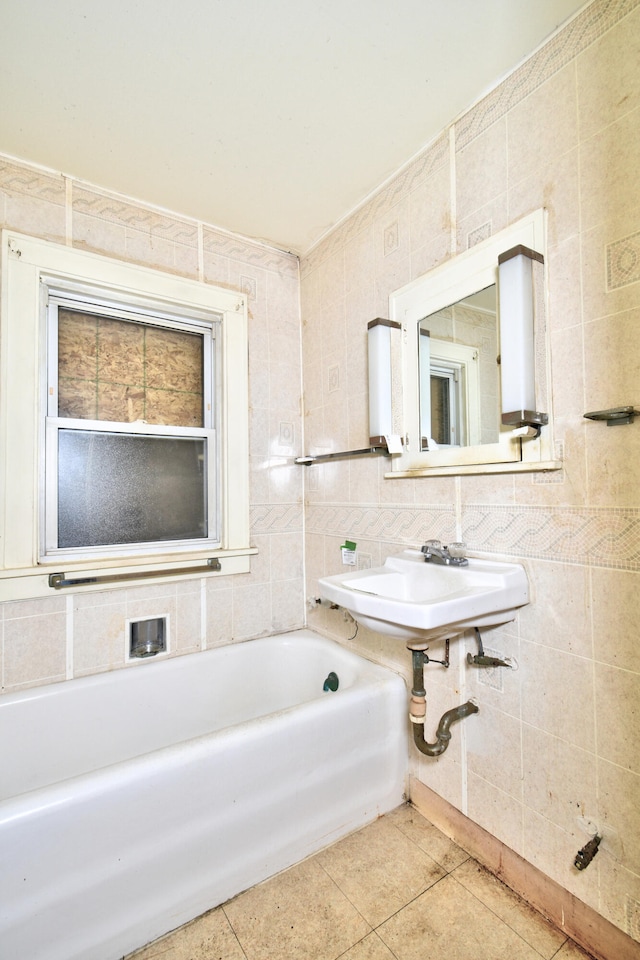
[452,555]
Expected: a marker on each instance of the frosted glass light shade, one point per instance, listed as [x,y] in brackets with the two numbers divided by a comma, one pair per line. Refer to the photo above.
[381,378]
[517,336]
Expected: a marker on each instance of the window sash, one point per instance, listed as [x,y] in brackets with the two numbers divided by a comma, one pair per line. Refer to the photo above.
[204,325]
[206,329]
[447,411]
[51,513]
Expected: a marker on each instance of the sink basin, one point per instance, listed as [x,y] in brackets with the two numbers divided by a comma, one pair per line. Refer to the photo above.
[414,600]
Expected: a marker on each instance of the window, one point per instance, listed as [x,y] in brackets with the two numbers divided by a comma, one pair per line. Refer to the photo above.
[449,391]
[126,428]
[130,427]
[445,405]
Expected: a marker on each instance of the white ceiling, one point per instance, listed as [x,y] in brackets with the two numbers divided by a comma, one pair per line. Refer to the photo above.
[270,118]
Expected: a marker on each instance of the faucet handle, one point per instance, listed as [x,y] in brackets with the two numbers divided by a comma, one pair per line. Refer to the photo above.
[429,547]
[457,550]
[432,544]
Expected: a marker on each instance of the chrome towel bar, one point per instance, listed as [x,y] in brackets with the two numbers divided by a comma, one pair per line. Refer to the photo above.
[324,457]
[58,580]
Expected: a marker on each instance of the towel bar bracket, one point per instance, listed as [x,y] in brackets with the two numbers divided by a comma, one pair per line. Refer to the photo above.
[614,416]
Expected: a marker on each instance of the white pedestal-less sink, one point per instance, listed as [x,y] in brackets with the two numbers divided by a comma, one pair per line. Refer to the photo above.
[413,600]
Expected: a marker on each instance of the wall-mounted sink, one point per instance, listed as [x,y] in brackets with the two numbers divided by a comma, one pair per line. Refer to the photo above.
[413,600]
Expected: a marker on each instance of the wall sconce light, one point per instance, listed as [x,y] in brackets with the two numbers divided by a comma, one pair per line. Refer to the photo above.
[517,336]
[385,376]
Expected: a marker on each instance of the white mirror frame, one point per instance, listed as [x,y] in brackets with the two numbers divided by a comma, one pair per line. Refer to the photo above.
[460,277]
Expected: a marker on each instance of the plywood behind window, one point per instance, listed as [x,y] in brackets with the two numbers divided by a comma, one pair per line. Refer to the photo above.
[122,371]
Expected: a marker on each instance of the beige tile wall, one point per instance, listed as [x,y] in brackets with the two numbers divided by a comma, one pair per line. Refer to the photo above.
[553,753]
[60,637]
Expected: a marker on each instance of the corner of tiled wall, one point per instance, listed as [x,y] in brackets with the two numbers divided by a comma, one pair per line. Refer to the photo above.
[553,750]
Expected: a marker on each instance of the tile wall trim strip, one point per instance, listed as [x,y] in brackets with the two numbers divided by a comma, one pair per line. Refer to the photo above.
[586,536]
[583,30]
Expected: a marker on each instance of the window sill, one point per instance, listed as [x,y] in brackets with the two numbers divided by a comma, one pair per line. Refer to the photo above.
[34,583]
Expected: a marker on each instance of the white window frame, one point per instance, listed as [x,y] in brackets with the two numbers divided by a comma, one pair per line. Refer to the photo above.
[30,268]
[205,326]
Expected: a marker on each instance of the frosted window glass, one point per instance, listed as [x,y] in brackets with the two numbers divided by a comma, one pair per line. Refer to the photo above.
[127,488]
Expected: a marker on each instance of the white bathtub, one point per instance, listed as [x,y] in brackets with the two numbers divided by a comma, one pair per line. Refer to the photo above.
[135,800]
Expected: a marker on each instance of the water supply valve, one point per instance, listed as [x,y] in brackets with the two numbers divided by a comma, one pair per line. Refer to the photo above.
[481,659]
[585,855]
[485,661]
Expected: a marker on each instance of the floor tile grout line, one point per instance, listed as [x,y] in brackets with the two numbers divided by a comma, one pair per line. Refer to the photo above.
[362,939]
[231,927]
[520,904]
[348,899]
[506,922]
[386,919]
[308,859]
[374,929]
[312,857]
[447,873]
[587,956]
[409,902]
[522,901]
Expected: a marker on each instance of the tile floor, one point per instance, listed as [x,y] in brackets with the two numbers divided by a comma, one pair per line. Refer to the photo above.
[396,890]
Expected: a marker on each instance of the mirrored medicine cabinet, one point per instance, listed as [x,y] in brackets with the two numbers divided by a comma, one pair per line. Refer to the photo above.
[449,397]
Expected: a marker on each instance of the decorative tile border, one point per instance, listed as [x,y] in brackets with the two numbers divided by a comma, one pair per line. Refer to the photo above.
[20,178]
[258,255]
[134,216]
[426,163]
[590,24]
[276,518]
[30,182]
[408,525]
[602,537]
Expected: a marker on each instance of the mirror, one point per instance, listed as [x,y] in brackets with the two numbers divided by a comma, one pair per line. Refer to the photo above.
[459,378]
[449,402]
